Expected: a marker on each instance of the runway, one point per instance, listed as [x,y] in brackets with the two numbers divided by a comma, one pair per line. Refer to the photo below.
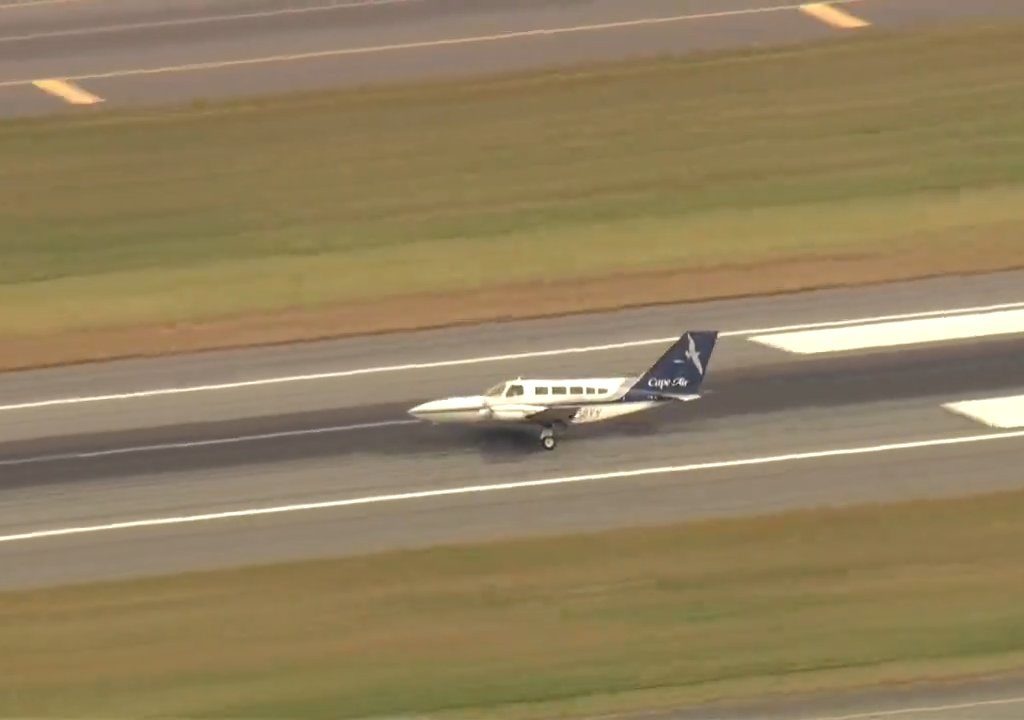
[143,52]
[318,433]
[141,467]
[993,698]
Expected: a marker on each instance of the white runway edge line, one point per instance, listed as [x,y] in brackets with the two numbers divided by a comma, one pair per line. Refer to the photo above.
[428,44]
[897,712]
[898,332]
[332,375]
[507,486]
[190,444]
[203,19]
[22,4]
[998,412]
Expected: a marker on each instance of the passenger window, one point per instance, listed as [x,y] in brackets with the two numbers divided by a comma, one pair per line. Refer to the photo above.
[542,391]
[591,391]
[576,391]
[558,391]
[514,390]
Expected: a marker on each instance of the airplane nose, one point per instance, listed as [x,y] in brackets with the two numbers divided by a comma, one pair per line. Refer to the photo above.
[458,409]
[423,409]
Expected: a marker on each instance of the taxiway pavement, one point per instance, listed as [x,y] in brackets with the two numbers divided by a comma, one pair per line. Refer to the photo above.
[123,52]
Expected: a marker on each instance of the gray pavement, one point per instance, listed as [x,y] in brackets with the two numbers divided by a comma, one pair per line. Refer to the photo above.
[318,440]
[130,52]
[998,697]
[763,404]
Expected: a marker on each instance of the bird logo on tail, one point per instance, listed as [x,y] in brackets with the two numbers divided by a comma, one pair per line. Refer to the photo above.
[693,356]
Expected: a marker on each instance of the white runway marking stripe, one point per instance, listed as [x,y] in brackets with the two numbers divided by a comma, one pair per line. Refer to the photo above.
[898,332]
[203,19]
[21,4]
[336,374]
[507,486]
[999,412]
[898,712]
[188,444]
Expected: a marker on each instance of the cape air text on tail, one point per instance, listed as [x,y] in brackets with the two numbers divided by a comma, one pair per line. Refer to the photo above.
[680,371]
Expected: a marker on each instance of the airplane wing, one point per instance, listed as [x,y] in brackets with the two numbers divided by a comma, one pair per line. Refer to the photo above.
[516,413]
[562,413]
[539,414]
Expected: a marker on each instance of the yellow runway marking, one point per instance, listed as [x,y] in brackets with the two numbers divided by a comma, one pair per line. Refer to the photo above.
[67,91]
[831,15]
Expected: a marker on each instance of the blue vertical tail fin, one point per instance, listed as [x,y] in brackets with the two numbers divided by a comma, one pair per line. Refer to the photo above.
[682,368]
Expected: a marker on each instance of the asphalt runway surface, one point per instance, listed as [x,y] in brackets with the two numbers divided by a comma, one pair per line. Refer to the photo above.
[199,442]
[224,432]
[124,52]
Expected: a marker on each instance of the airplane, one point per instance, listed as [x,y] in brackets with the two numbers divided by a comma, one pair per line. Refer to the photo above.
[552,404]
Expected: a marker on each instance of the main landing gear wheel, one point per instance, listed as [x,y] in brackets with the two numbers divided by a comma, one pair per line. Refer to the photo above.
[547,438]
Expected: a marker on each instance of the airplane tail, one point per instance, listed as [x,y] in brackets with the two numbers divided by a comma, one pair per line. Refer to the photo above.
[680,371]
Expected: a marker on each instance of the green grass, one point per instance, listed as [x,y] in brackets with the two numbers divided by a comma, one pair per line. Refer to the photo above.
[856,148]
[616,620]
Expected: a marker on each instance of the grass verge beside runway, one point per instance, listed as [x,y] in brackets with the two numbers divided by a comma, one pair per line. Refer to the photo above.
[611,621]
[875,158]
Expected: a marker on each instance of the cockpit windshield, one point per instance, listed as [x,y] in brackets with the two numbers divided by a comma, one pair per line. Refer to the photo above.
[496,391]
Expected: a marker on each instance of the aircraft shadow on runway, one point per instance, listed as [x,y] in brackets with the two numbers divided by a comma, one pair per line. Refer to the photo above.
[421,440]
[521,442]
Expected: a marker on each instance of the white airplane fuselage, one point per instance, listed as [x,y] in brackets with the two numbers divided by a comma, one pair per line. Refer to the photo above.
[516,400]
[555,403]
